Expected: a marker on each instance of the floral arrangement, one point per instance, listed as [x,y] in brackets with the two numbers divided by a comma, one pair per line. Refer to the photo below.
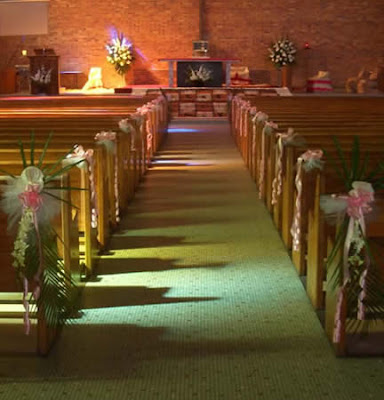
[200,75]
[120,54]
[30,202]
[282,52]
[42,76]
[356,275]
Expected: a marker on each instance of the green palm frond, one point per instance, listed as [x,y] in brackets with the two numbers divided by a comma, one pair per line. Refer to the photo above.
[3,171]
[48,169]
[57,300]
[331,161]
[376,171]
[32,149]
[62,171]
[355,161]
[340,153]
[22,153]
[336,255]
[61,199]
[363,168]
[45,148]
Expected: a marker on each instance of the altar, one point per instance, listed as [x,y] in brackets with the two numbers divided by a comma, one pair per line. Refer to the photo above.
[199,72]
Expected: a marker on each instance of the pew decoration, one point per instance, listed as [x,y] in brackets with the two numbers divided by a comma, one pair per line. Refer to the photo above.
[84,159]
[30,202]
[131,126]
[269,129]
[108,140]
[283,139]
[360,284]
[355,257]
[308,161]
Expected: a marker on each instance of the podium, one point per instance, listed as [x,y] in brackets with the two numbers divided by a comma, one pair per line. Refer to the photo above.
[44,73]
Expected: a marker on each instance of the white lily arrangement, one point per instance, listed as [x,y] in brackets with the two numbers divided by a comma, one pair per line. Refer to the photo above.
[42,76]
[120,54]
[282,53]
[202,74]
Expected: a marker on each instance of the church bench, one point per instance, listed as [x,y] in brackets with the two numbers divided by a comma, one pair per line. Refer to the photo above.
[310,258]
[317,135]
[94,121]
[368,144]
[64,141]
[313,244]
[306,105]
[105,171]
[132,154]
[80,133]
[322,140]
[73,102]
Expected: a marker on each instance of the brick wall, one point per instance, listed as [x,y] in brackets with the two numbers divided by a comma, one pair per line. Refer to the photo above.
[344,35]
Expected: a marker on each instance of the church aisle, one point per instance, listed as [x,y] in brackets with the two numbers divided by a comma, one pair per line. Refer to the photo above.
[197,299]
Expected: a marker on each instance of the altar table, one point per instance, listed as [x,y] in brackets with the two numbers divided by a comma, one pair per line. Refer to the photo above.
[196,61]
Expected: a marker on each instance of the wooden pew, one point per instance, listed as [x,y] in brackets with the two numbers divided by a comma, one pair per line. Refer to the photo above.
[315,128]
[81,129]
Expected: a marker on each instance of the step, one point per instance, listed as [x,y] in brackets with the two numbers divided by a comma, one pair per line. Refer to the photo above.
[11,297]
[13,337]
[14,298]
[13,311]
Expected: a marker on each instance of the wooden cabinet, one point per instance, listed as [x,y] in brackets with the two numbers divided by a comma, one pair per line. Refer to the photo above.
[8,81]
[44,74]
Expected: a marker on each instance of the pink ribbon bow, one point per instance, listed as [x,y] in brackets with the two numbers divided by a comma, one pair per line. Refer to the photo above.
[268,129]
[283,139]
[357,205]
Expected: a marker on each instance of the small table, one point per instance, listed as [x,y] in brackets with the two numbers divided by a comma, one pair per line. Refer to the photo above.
[227,62]
[70,79]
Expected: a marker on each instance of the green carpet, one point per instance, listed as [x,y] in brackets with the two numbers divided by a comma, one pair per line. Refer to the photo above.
[197,299]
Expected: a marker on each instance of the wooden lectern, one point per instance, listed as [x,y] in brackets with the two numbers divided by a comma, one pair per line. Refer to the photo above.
[44,70]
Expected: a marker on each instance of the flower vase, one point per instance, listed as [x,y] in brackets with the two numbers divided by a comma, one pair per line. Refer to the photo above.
[41,90]
[122,81]
[286,76]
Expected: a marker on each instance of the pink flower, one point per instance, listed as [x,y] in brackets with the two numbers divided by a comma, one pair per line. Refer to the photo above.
[31,198]
[359,198]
